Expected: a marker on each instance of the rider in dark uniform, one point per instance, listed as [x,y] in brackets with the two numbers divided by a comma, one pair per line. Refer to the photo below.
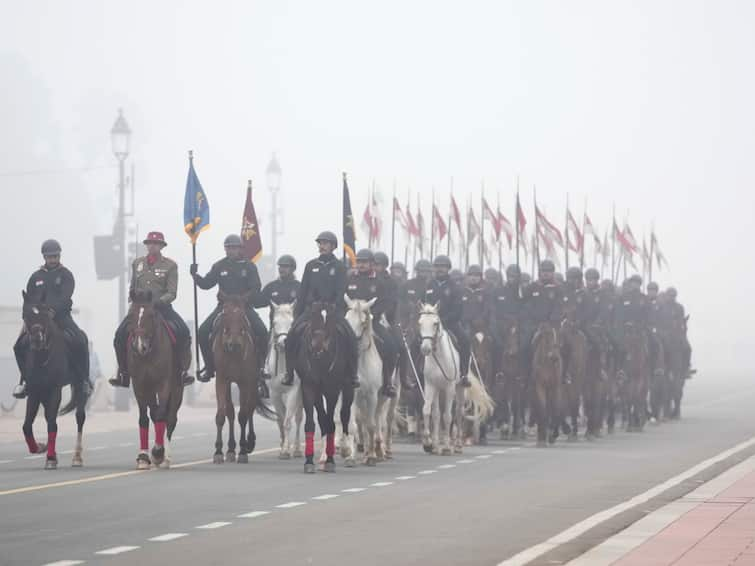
[366,285]
[593,328]
[398,272]
[507,309]
[543,303]
[477,302]
[444,292]
[233,275]
[656,329]
[282,291]
[631,308]
[575,309]
[678,320]
[324,281]
[493,278]
[158,274]
[53,285]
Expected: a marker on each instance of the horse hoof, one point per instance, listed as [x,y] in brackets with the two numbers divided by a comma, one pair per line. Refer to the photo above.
[388,455]
[298,453]
[164,465]
[158,455]
[284,456]
[230,457]
[360,448]
[458,450]
[77,462]
[143,462]
[350,462]
[371,462]
[243,458]
[435,451]
[572,437]
[217,459]
[41,448]
[447,452]
[309,468]
[51,464]
[428,448]
[329,467]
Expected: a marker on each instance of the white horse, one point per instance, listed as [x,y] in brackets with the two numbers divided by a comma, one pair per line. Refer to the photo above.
[286,400]
[441,376]
[370,370]
[386,414]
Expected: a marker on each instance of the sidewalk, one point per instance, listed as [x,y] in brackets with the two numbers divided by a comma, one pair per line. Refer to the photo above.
[711,526]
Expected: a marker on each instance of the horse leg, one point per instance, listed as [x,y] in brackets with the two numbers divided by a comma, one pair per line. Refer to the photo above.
[298,410]
[309,428]
[160,418]
[284,421]
[52,405]
[77,460]
[244,416]
[143,460]
[230,415]
[541,413]
[32,408]
[427,443]
[221,398]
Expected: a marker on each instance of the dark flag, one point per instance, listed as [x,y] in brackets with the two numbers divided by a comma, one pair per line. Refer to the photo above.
[251,239]
[349,236]
[196,207]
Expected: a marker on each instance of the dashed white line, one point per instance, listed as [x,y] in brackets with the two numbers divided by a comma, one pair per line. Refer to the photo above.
[33,457]
[116,550]
[326,496]
[354,489]
[465,461]
[167,537]
[65,563]
[484,456]
[404,478]
[291,504]
[446,466]
[96,448]
[381,484]
[5,461]
[427,472]
[215,525]
[253,514]
[125,444]
[177,437]
[505,451]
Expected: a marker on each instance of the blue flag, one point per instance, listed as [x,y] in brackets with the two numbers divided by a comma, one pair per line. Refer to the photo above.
[196,207]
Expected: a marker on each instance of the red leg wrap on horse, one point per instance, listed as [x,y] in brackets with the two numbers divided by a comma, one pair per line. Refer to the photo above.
[309,444]
[160,433]
[32,444]
[143,438]
[51,438]
[330,444]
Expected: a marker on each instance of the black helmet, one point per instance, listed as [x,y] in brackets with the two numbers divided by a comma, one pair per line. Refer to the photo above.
[652,286]
[559,277]
[635,279]
[397,265]
[547,266]
[287,261]
[671,292]
[492,273]
[473,270]
[422,264]
[573,273]
[51,247]
[455,275]
[381,259]
[592,274]
[442,261]
[232,241]
[513,271]
[607,284]
[327,236]
[365,255]
[526,278]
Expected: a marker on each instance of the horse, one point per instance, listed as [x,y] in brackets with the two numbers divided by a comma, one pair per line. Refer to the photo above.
[47,372]
[155,376]
[510,389]
[594,389]
[370,372]
[635,370]
[482,364]
[441,372]
[574,344]
[286,400]
[235,356]
[675,371]
[660,385]
[546,376]
[321,363]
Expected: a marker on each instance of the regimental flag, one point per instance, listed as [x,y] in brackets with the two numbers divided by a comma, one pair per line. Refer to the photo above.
[251,239]
[505,227]
[367,220]
[439,224]
[605,251]
[630,237]
[377,219]
[590,230]
[411,224]
[473,227]
[547,228]
[548,243]
[656,250]
[420,229]
[521,225]
[646,259]
[488,213]
[624,243]
[573,233]
[399,214]
[196,207]
[456,215]
[349,233]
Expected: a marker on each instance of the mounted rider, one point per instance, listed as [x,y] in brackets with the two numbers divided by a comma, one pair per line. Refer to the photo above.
[507,311]
[575,309]
[677,319]
[477,303]
[233,275]
[158,274]
[366,285]
[493,278]
[632,308]
[543,304]
[593,325]
[53,285]
[445,293]
[399,274]
[656,329]
[323,281]
[282,291]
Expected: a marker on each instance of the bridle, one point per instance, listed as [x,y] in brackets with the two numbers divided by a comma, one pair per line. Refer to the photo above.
[436,334]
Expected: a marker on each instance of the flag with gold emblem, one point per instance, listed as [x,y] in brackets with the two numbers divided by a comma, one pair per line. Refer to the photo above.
[251,239]
[196,207]
[349,235]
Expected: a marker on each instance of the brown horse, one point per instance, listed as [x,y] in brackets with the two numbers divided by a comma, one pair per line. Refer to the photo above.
[235,357]
[155,375]
[636,381]
[595,384]
[660,386]
[546,377]
[673,347]
[511,386]
[574,347]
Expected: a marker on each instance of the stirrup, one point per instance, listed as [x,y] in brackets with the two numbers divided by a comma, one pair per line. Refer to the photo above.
[464,381]
[288,380]
[19,392]
[120,380]
[186,379]
[205,374]
[388,391]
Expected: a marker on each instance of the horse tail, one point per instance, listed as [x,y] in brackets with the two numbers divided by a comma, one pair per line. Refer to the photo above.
[479,395]
[79,398]
[262,408]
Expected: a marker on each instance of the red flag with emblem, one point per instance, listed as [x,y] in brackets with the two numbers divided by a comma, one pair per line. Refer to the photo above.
[505,227]
[492,217]
[549,229]
[410,223]
[440,225]
[251,239]
[402,220]
[575,237]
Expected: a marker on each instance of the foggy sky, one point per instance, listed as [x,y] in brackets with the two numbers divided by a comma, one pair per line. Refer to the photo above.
[648,105]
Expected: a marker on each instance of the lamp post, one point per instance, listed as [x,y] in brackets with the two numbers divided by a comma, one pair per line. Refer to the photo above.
[120,137]
[274,185]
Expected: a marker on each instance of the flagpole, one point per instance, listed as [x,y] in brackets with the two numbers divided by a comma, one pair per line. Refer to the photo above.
[469,224]
[420,229]
[482,224]
[196,295]
[566,247]
[613,245]
[393,221]
[432,227]
[450,225]
[652,245]
[500,229]
[537,227]
[408,234]
[516,213]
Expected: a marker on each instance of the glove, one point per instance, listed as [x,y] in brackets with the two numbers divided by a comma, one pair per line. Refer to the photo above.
[193,269]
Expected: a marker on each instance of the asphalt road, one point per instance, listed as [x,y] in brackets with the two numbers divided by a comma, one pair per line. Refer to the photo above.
[479,508]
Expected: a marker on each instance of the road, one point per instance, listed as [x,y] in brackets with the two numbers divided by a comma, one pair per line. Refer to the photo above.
[479,508]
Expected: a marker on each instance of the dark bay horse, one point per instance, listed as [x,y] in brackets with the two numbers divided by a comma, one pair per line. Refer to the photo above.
[47,372]
[574,346]
[596,381]
[636,372]
[511,388]
[546,378]
[155,376]
[235,357]
[321,363]
[675,371]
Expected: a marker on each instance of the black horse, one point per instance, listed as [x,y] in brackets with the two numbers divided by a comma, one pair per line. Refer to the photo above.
[48,370]
[323,367]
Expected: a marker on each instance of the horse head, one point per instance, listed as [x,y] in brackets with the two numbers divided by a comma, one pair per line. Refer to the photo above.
[511,341]
[546,338]
[283,319]
[429,326]
[38,319]
[359,316]
[234,325]
[321,326]
[142,322]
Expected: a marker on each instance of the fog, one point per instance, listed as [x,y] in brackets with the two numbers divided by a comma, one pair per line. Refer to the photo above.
[648,105]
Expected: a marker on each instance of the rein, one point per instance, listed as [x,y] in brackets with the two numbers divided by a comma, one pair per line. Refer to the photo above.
[434,341]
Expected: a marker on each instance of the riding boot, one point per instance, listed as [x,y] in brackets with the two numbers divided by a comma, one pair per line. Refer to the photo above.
[121,379]
[183,362]
[19,392]
[208,371]
[388,390]
[288,378]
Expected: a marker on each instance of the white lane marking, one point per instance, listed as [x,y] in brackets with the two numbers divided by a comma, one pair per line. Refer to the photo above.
[291,504]
[199,434]
[167,537]
[381,484]
[33,457]
[504,451]
[531,553]
[253,514]
[465,461]
[65,563]
[404,478]
[446,466]
[66,452]
[427,472]
[96,448]
[326,496]
[5,461]
[177,437]
[125,444]
[215,525]
[484,456]
[116,550]
[354,490]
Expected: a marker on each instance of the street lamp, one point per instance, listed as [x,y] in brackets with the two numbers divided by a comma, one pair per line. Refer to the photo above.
[120,137]
[274,174]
